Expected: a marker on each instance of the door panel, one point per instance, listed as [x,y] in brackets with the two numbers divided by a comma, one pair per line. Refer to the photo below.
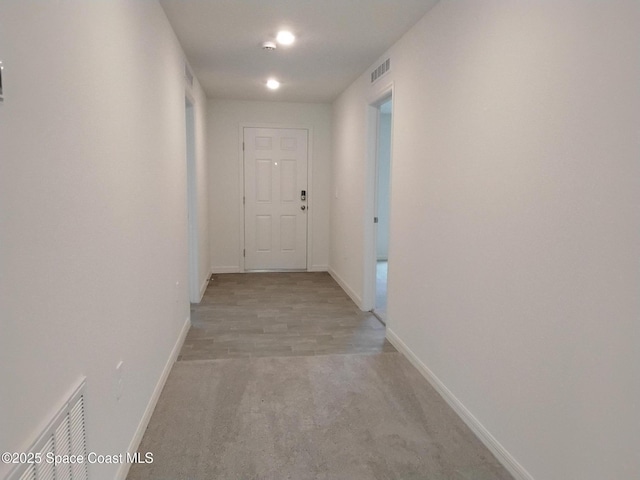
[288,143]
[263,181]
[288,233]
[263,233]
[275,174]
[263,143]
[288,181]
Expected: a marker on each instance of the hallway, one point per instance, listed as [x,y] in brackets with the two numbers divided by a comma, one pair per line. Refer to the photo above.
[279,314]
[514,236]
[237,405]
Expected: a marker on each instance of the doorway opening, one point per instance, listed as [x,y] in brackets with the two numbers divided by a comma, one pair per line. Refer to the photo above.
[381,195]
[192,216]
[378,237]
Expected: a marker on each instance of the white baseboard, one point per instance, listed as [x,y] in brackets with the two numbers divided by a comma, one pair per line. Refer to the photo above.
[144,421]
[354,296]
[501,454]
[318,268]
[313,268]
[203,287]
[235,269]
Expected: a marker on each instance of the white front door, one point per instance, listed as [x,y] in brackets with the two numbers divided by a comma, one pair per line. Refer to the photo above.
[275,211]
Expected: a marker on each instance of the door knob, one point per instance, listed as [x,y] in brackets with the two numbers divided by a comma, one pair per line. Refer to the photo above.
[303,207]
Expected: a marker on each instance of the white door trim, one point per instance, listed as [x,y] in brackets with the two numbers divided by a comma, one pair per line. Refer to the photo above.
[195,294]
[369,250]
[310,207]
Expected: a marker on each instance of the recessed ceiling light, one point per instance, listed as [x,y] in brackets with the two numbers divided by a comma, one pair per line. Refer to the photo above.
[285,37]
[273,84]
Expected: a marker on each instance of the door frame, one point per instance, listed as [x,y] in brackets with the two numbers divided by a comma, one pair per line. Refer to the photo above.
[371,170]
[310,209]
[195,293]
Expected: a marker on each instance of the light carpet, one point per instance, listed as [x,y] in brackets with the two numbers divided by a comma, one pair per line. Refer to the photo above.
[328,417]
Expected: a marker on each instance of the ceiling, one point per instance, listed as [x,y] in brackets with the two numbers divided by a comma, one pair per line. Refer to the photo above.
[336,41]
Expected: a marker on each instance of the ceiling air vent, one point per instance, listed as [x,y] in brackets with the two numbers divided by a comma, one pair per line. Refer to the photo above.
[382,69]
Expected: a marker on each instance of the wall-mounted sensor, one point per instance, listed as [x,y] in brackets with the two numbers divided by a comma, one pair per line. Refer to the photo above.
[269,46]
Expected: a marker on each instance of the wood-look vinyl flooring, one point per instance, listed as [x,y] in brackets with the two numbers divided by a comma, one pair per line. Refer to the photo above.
[279,314]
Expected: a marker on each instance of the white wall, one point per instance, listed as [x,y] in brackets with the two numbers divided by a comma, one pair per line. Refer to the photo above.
[224,119]
[198,97]
[515,222]
[346,255]
[93,229]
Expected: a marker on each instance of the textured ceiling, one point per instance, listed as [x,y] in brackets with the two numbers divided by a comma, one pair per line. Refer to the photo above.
[336,41]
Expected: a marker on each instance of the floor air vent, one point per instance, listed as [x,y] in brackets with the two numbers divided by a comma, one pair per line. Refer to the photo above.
[65,435]
[381,70]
